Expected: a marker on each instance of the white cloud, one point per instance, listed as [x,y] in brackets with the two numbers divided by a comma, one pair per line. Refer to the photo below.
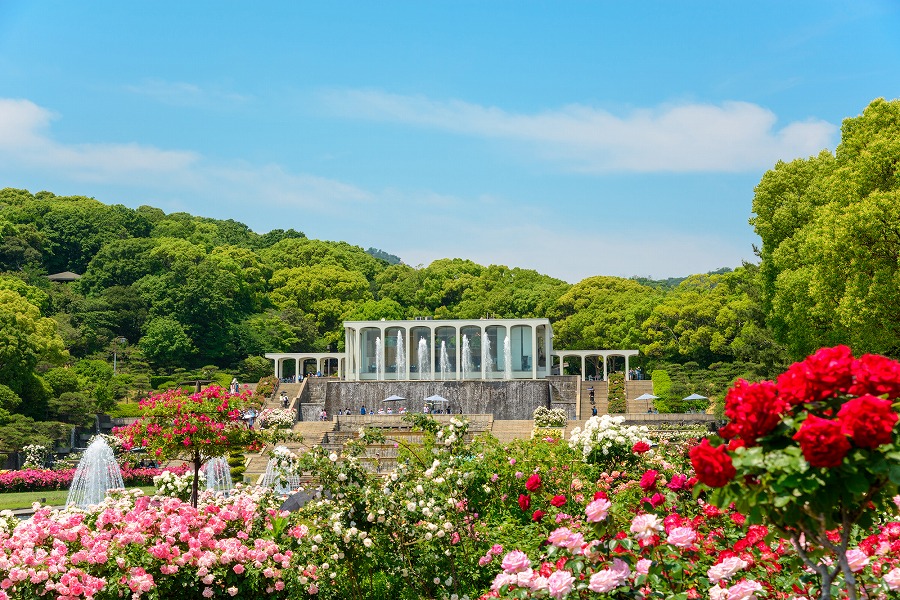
[731,137]
[26,143]
[179,93]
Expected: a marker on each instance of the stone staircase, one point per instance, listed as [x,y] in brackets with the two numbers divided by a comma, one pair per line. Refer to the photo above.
[601,398]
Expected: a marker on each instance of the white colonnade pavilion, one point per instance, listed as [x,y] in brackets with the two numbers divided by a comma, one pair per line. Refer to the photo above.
[445,349]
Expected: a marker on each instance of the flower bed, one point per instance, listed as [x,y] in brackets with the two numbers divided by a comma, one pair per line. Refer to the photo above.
[37,480]
[537,518]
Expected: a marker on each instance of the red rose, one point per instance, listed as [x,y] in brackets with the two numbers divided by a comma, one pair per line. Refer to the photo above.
[533,483]
[648,480]
[822,442]
[868,420]
[537,515]
[712,464]
[827,373]
[558,501]
[600,494]
[876,375]
[656,500]
[754,409]
[640,447]
[524,502]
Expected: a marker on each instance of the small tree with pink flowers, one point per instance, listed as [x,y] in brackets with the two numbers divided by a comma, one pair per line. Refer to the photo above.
[814,453]
[194,427]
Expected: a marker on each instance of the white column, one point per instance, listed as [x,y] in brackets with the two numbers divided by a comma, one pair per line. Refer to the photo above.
[433,357]
[278,368]
[583,364]
[534,352]
[605,371]
[458,350]
[626,367]
[296,369]
[481,349]
[383,365]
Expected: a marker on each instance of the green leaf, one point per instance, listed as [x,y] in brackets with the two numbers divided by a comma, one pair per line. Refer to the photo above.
[857,483]
[895,474]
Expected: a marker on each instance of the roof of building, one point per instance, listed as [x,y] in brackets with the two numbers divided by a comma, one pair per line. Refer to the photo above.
[64,276]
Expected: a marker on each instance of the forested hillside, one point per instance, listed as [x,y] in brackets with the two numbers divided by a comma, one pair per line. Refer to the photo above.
[176,295]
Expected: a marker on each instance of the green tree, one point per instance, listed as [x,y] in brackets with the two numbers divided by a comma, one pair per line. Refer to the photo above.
[26,338]
[166,343]
[323,294]
[830,230]
[72,407]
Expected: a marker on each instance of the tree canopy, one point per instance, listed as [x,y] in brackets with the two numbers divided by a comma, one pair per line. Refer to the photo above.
[830,230]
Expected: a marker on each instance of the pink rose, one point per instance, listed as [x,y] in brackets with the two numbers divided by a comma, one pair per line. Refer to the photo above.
[857,559]
[682,537]
[560,583]
[725,569]
[643,566]
[603,581]
[515,561]
[646,526]
[744,590]
[892,579]
[597,510]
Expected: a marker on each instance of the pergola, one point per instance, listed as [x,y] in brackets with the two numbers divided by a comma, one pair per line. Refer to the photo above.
[300,358]
[584,355]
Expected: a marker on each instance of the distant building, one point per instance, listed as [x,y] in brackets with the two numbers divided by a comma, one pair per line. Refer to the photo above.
[64,277]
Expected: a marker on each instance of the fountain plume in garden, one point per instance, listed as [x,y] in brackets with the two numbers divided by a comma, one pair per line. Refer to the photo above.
[487,361]
[401,356]
[281,472]
[218,475]
[507,359]
[468,367]
[97,473]
[445,361]
[379,360]
[423,362]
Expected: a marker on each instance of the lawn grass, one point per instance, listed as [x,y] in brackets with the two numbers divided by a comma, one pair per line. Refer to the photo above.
[14,500]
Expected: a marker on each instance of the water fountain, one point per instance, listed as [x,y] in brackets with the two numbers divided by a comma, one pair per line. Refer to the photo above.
[445,361]
[281,472]
[468,366]
[379,360]
[218,475]
[507,358]
[97,473]
[401,357]
[487,361]
[422,359]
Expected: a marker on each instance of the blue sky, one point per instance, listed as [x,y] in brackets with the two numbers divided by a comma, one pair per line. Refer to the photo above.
[575,138]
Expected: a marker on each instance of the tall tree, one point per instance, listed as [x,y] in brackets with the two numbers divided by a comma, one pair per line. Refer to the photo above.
[830,230]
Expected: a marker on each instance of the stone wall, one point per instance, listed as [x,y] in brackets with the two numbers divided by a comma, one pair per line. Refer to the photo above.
[515,399]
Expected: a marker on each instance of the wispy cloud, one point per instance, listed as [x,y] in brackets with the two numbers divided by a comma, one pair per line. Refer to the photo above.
[27,143]
[25,140]
[731,137]
[569,252]
[179,93]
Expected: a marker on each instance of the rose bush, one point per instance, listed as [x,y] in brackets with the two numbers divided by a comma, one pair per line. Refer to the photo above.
[814,454]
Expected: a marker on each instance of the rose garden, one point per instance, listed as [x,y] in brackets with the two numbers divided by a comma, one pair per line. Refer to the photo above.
[796,497]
